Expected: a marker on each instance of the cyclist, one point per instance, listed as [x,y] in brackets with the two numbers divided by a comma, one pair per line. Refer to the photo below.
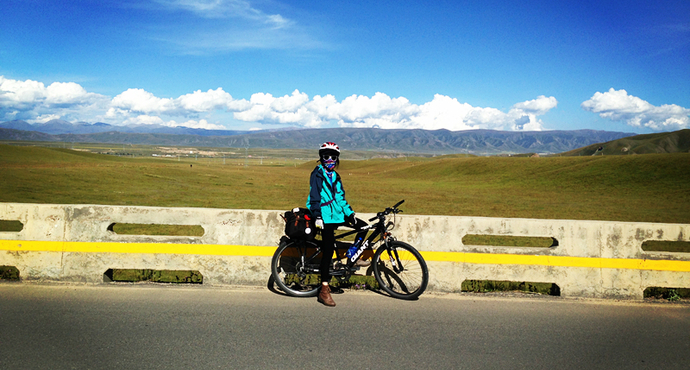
[327,204]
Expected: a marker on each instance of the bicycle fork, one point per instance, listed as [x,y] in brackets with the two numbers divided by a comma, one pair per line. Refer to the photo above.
[394,258]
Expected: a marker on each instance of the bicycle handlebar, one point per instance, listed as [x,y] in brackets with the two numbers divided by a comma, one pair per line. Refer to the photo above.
[393,209]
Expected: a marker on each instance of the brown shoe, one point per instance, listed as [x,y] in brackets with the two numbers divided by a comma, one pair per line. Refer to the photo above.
[325,296]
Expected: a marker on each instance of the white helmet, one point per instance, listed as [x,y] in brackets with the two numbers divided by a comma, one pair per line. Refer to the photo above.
[329,146]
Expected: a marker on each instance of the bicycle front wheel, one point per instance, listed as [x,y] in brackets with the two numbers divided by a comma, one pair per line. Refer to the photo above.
[293,268]
[400,270]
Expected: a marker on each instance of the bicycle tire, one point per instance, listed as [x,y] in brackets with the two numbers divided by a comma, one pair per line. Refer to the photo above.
[407,284]
[288,273]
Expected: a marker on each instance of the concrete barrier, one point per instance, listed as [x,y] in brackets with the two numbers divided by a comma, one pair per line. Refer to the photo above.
[74,243]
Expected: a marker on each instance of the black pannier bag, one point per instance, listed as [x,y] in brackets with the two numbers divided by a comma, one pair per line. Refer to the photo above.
[299,224]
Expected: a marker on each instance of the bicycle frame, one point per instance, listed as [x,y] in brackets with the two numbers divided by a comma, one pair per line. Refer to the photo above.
[380,231]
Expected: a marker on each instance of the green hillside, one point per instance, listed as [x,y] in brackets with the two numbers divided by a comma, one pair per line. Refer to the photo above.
[665,142]
[649,188]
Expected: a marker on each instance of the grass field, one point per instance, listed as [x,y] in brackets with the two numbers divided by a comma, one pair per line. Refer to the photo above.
[645,188]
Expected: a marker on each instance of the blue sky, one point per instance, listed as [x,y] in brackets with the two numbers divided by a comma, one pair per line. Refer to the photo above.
[232,64]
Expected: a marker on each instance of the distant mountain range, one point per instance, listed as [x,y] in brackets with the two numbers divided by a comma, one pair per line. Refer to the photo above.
[398,141]
[429,141]
[60,127]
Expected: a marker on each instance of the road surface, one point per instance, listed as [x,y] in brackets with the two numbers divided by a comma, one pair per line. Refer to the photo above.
[148,326]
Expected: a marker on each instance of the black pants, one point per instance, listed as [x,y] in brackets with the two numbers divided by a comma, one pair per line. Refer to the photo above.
[328,246]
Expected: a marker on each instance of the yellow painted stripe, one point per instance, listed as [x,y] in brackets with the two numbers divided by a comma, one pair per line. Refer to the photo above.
[110,247]
[244,250]
[558,261]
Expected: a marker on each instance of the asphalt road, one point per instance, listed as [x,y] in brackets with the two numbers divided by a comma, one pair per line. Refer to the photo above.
[194,327]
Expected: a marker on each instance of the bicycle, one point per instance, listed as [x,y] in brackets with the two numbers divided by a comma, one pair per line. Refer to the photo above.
[399,269]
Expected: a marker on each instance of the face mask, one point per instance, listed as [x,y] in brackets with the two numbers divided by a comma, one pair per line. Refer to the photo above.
[329,164]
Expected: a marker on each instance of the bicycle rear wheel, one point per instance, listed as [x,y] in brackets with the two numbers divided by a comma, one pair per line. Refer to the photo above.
[400,270]
[292,269]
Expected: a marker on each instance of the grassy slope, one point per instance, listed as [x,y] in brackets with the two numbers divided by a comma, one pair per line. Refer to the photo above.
[650,188]
[665,142]
[641,188]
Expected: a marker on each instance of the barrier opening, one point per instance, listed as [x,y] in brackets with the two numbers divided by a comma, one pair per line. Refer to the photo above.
[666,246]
[156,229]
[9,273]
[11,226]
[510,241]
[671,294]
[155,276]
[488,286]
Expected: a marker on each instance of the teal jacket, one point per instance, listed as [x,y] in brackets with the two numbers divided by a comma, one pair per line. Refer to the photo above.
[327,200]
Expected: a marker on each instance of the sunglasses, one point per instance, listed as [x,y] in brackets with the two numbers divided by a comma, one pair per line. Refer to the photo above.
[329,157]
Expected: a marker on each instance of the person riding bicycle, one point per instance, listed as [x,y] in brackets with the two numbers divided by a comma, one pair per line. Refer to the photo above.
[327,204]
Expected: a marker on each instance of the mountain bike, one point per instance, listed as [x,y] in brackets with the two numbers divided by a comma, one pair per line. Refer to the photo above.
[399,269]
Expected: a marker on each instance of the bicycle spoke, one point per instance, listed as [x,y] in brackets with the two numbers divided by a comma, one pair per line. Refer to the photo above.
[290,272]
[401,271]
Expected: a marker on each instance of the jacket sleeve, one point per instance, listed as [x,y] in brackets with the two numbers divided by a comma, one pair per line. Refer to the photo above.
[314,199]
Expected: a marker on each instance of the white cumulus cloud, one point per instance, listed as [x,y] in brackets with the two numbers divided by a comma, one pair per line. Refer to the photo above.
[538,106]
[288,109]
[142,101]
[617,105]
[66,93]
[199,101]
[34,102]
[383,111]
[30,93]
[138,100]
[19,94]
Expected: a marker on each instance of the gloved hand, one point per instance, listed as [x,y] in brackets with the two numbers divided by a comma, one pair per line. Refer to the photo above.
[351,219]
[318,223]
